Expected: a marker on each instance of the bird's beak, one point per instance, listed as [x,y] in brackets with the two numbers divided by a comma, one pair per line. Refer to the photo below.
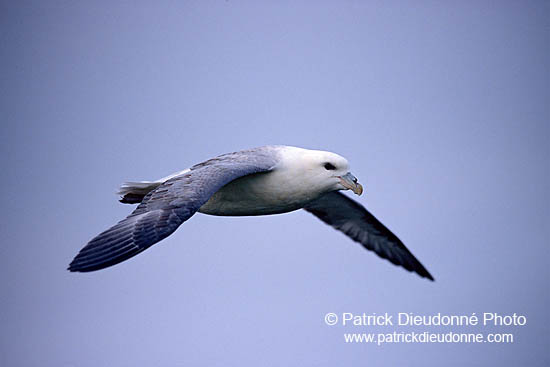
[349,181]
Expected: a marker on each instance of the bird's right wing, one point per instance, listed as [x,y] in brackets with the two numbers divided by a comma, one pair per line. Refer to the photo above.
[351,218]
[166,207]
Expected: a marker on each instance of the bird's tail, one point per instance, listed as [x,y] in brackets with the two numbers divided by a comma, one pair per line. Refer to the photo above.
[134,192]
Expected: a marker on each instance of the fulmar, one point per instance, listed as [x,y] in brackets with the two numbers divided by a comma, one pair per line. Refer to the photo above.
[260,181]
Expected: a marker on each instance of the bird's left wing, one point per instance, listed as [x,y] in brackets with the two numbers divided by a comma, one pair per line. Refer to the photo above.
[351,218]
[169,205]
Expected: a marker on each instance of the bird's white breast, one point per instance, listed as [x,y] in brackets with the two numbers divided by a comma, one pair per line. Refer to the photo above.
[261,194]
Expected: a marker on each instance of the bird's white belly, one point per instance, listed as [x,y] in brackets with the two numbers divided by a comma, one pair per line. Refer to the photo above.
[260,194]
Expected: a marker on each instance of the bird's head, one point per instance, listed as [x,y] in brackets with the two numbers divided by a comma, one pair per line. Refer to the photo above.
[325,171]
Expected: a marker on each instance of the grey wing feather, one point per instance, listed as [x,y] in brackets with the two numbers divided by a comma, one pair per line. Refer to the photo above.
[351,218]
[166,207]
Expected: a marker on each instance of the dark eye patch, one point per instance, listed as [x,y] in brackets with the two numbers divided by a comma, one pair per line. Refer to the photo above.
[329,166]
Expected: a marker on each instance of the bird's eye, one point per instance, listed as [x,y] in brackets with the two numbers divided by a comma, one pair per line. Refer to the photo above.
[329,166]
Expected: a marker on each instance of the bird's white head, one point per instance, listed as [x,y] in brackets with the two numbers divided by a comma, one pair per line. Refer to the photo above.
[321,171]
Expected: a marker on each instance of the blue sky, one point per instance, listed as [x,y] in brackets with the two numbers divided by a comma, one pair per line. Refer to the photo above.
[440,108]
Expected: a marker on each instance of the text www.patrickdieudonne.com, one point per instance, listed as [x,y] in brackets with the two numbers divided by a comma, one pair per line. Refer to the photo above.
[401,319]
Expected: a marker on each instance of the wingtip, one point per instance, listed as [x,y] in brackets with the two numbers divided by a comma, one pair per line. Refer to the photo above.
[424,273]
[84,268]
[73,268]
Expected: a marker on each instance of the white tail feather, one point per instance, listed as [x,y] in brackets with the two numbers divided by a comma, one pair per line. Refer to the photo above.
[134,192]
